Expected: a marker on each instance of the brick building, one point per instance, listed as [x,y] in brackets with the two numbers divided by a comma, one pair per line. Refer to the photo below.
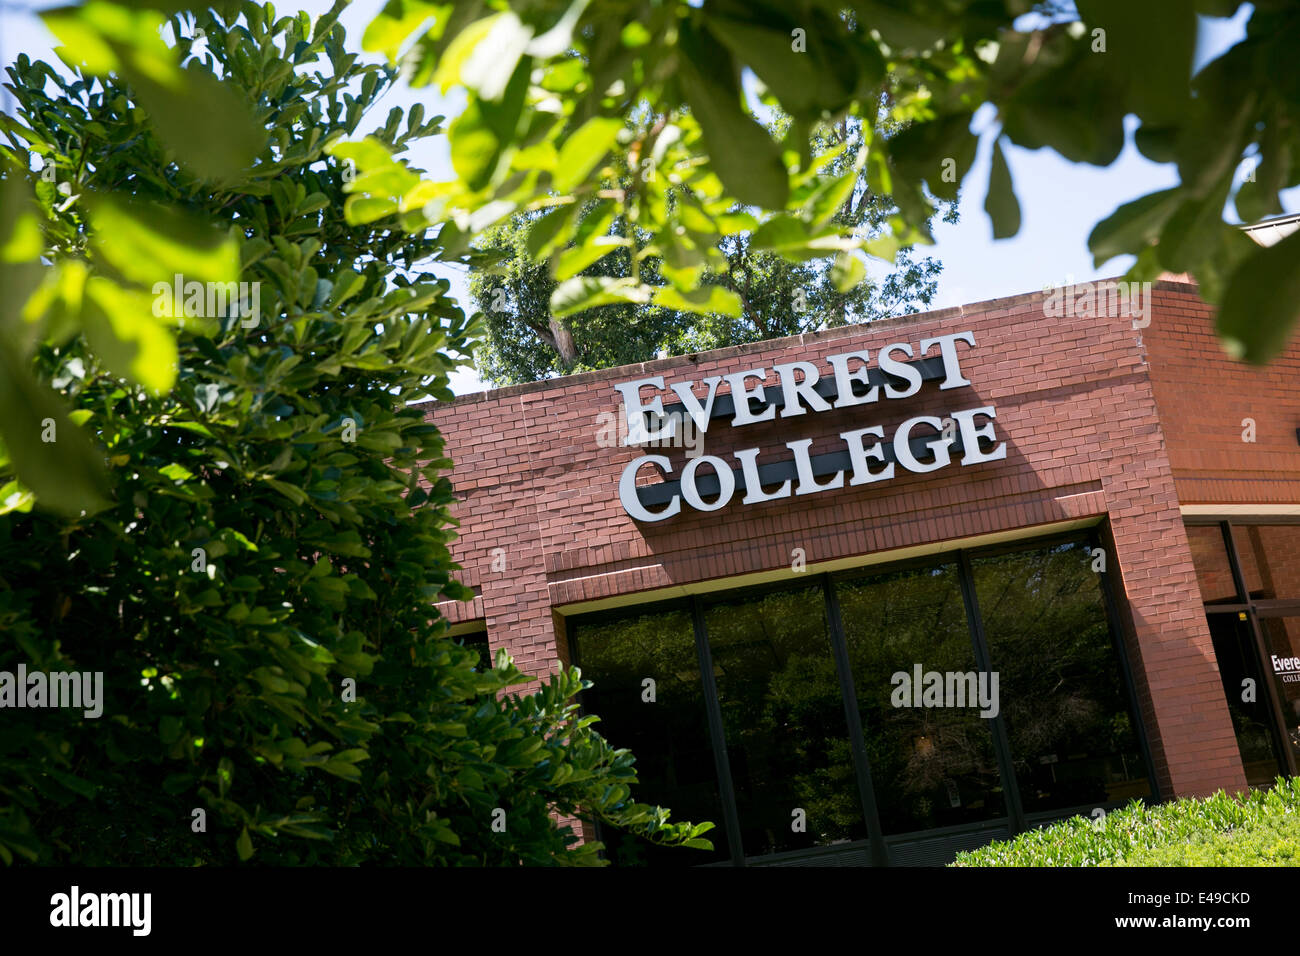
[909,586]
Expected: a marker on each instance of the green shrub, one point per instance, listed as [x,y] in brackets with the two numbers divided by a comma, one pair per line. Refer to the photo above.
[257,589]
[1258,828]
[1271,841]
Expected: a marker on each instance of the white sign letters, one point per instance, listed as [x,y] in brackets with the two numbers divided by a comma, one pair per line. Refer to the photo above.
[919,444]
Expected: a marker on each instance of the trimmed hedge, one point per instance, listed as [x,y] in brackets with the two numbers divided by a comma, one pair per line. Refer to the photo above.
[1260,828]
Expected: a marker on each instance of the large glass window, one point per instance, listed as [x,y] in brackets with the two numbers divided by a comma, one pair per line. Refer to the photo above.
[1270,565]
[663,723]
[931,766]
[1282,642]
[1072,734]
[1238,660]
[783,715]
[1268,562]
[1056,727]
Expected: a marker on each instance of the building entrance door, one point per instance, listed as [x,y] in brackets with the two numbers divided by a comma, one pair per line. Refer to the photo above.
[1249,578]
[1246,688]
[1281,635]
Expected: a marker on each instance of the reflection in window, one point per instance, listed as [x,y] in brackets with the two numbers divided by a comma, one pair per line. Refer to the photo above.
[1061,692]
[1270,560]
[668,736]
[783,715]
[1238,662]
[930,767]
[1282,641]
[1072,734]
[1213,572]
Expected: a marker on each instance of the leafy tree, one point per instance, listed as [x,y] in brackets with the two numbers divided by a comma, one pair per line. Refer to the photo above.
[256,587]
[552,84]
[772,297]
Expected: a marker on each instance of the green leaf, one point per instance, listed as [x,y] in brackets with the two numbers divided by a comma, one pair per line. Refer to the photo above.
[148,243]
[122,330]
[549,230]
[1155,75]
[169,730]
[484,56]
[292,492]
[225,776]
[1262,302]
[800,81]
[23,243]
[572,261]
[1132,226]
[582,293]
[244,845]
[741,152]
[790,237]
[67,473]
[78,786]
[940,152]
[583,151]
[1075,109]
[475,148]
[1001,203]
[885,246]
[459,51]
[399,19]
[708,300]
[1194,232]
[830,197]
[847,271]
[82,40]
[207,124]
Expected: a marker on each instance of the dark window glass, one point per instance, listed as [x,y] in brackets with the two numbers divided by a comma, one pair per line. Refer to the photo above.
[1282,641]
[784,719]
[479,642]
[669,736]
[1270,560]
[1213,572]
[930,766]
[1073,738]
[1234,650]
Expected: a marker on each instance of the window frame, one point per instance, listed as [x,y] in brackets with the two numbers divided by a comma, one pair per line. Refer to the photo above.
[1253,610]
[1016,819]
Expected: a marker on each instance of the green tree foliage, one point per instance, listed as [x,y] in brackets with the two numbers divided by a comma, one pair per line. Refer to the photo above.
[776,297]
[568,100]
[257,585]
[552,84]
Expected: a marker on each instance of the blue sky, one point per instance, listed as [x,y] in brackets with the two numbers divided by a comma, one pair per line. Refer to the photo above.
[1060,201]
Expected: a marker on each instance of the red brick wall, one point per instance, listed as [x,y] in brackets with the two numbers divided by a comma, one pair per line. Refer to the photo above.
[1075,403]
[1204,396]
